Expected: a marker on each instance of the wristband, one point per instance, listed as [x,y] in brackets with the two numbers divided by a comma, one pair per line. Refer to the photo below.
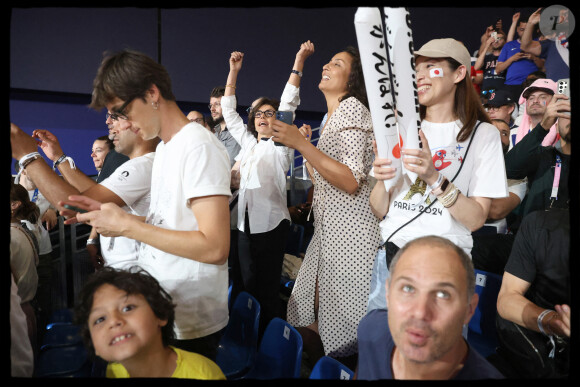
[27,159]
[94,241]
[60,160]
[540,317]
[436,185]
[299,73]
[230,85]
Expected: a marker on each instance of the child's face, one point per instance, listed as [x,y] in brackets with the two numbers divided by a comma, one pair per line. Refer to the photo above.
[123,327]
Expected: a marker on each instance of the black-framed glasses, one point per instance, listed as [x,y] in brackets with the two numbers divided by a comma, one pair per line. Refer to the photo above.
[267,113]
[119,113]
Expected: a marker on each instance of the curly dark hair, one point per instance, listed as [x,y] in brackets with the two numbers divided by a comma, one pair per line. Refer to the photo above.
[356,81]
[261,102]
[135,280]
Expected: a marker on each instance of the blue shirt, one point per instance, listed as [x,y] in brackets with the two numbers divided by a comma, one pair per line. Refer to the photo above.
[555,66]
[518,71]
[375,346]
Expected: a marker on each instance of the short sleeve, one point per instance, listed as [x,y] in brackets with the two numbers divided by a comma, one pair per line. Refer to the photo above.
[521,260]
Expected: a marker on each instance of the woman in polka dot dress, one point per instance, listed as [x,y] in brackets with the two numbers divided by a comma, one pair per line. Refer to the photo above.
[331,291]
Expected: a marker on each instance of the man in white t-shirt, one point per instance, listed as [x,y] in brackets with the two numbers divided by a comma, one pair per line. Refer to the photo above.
[185,237]
[129,185]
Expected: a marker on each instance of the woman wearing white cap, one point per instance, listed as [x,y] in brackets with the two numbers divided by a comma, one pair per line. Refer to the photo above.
[460,166]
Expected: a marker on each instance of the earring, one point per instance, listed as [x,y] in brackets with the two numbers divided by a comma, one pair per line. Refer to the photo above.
[155,105]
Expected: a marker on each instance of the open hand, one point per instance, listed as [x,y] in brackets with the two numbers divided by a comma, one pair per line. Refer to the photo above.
[48,143]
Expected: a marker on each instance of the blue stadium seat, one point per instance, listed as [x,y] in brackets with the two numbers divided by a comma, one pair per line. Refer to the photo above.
[482,332]
[239,343]
[61,334]
[64,362]
[61,316]
[329,368]
[280,353]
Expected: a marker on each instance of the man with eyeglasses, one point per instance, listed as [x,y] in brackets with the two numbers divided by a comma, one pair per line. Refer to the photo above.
[517,63]
[219,125]
[128,186]
[184,239]
[113,159]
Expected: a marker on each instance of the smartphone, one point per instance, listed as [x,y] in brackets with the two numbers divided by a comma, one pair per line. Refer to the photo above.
[287,118]
[73,208]
[494,35]
[564,89]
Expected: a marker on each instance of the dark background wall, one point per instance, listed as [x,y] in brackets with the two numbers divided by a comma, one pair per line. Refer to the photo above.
[55,52]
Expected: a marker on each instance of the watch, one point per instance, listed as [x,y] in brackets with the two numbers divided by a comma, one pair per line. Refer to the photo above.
[438,191]
[299,73]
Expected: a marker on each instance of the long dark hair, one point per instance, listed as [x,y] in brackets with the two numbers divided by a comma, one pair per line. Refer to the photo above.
[356,81]
[27,210]
[467,107]
[262,101]
[133,281]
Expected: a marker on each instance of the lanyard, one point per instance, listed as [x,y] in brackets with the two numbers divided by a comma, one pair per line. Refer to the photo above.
[556,184]
[34,196]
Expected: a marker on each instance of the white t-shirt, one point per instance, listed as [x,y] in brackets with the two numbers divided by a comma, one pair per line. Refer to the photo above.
[44,243]
[482,175]
[192,164]
[131,181]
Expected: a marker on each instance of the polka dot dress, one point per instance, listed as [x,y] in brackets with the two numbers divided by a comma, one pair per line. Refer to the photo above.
[346,237]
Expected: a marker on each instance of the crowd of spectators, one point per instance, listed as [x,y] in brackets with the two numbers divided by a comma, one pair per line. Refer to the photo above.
[386,284]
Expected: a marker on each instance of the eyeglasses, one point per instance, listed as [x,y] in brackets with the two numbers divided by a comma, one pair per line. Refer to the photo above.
[119,113]
[198,120]
[485,92]
[267,113]
[216,104]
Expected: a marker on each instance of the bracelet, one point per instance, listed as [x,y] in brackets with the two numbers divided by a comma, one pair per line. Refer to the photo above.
[27,159]
[94,241]
[540,317]
[230,85]
[449,197]
[299,73]
[60,160]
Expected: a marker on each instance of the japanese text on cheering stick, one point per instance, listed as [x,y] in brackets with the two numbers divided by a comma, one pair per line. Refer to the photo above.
[377,74]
